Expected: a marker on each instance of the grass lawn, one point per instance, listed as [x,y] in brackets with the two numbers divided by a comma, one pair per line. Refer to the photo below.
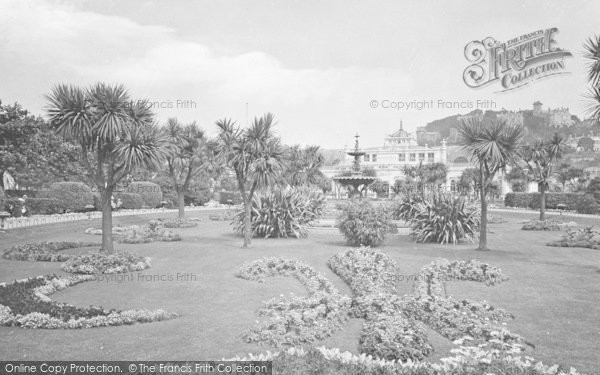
[553,292]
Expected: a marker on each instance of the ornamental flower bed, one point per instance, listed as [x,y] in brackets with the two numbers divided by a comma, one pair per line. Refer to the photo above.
[295,320]
[44,251]
[466,360]
[588,237]
[177,223]
[547,225]
[102,263]
[135,234]
[25,303]
[391,318]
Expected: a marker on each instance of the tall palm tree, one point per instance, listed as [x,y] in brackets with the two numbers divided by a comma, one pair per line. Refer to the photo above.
[541,161]
[491,147]
[115,133]
[255,155]
[190,155]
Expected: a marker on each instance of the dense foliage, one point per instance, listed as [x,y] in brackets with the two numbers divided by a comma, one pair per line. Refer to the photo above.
[283,212]
[150,192]
[443,218]
[361,223]
[71,196]
[44,251]
[43,206]
[130,201]
[568,201]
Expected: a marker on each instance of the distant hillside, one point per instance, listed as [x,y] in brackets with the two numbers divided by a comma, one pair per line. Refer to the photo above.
[535,127]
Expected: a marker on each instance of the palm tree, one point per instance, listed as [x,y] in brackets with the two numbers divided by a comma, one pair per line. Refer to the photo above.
[254,155]
[592,54]
[304,166]
[491,147]
[540,159]
[190,155]
[115,133]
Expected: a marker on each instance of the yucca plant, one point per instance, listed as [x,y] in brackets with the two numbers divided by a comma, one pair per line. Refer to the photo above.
[407,207]
[442,218]
[283,212]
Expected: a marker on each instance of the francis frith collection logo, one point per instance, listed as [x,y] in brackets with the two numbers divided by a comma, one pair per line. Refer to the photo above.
[514,63]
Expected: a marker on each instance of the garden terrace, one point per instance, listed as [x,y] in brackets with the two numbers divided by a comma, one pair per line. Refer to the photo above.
[551,291]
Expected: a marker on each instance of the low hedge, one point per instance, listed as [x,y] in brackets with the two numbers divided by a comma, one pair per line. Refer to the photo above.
[570,201]
[43,206]
[130,201]
[150,192]
[71,196]
[230,197]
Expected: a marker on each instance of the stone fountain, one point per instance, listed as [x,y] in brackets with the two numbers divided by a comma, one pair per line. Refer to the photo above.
[356,179]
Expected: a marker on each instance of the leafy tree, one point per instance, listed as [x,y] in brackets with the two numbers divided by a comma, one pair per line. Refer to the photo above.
[566,174]
[541,160]
[586,144]
[31,152]
[115,135]
[190,155]
[255,155]
[469,181]
[517,178]
[424,175]
[593,188]
[380,187]
[491,147]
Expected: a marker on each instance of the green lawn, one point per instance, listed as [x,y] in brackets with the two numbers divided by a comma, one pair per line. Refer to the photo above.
[553,292]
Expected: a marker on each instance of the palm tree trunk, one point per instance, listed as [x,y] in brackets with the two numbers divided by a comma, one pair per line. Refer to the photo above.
[107,237]
[181,204]
[247,222]
[542,203]
[483,225]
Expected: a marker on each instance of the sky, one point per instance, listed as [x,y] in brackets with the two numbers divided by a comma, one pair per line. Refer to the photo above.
[317,65]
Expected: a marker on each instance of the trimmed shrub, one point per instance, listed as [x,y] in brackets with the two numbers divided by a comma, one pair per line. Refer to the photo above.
[14,206]
[198,198]
[553,200]
[43,206]
[588,205]
[443,218]
[283,212]
[150,192]
[71,196]
[130,201]
[230,197]
[362,224]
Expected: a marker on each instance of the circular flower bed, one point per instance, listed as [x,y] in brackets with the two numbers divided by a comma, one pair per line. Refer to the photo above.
[94,263]
[44,251]
[25,303]
[177,223]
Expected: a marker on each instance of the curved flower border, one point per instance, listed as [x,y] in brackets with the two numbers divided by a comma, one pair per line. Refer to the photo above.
[45,321]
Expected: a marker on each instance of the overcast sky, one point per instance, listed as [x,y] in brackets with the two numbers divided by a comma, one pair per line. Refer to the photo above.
[315,64]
